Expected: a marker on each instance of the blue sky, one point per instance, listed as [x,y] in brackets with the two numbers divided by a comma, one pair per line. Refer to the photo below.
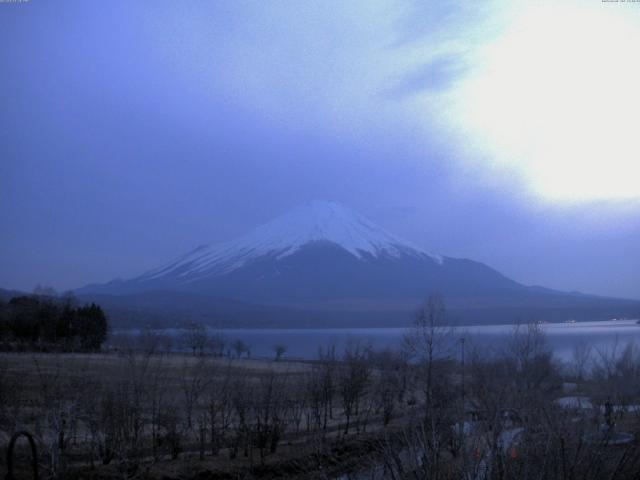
[500,131]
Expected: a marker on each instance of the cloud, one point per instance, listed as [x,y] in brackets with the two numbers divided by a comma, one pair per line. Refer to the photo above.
[439,74]
[131,133]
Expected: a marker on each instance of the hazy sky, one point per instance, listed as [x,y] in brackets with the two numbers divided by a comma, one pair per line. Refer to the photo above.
[505,132]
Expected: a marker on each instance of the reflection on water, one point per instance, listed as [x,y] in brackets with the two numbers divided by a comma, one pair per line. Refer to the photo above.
[562,337]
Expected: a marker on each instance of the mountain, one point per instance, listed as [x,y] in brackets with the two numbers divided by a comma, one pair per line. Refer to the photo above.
[318,251]
[323,263]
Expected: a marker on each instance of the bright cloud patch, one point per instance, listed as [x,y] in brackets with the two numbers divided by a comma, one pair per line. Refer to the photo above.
[556,98]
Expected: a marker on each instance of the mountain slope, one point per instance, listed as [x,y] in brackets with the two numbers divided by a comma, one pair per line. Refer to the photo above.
[323,257]
[313,223]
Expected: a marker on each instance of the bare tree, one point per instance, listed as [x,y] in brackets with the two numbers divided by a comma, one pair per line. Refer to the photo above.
[531,360]
[149,340]
[11,393]
[297,401]
[217,343]
[388,386]
[353,378]
[327,384]
[58,412]
[429,340]
[219,406]
[239,347]
[241,396]
[194,380]
[158,388]
[616,371]
[581,357]
[267,409]
[279,352]
[196,338]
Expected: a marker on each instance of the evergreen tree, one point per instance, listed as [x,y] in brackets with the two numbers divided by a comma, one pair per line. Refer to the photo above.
[43,321]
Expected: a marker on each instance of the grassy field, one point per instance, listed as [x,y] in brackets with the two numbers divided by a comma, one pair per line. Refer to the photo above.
[180,413]
[360,414]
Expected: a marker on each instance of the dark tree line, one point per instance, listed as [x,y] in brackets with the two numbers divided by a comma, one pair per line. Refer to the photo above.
[43,322]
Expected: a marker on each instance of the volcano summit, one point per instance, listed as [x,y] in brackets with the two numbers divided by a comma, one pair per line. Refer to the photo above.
[324,261]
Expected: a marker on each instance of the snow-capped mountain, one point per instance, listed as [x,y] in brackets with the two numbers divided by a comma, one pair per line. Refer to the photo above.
[312,223]
[323,257]
[319,251]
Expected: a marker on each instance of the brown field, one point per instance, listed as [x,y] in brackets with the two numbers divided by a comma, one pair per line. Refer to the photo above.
[49,394]
[361,414]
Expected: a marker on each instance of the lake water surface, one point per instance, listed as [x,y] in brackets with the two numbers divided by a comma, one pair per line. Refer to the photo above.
[304,343]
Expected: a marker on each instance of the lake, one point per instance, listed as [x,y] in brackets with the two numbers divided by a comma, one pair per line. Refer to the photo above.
[304,343]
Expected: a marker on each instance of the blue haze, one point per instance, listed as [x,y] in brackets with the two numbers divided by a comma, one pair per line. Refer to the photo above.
[130,132]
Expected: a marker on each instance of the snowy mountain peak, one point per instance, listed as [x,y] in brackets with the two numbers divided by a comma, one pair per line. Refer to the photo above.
[314,221]
[317,221]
